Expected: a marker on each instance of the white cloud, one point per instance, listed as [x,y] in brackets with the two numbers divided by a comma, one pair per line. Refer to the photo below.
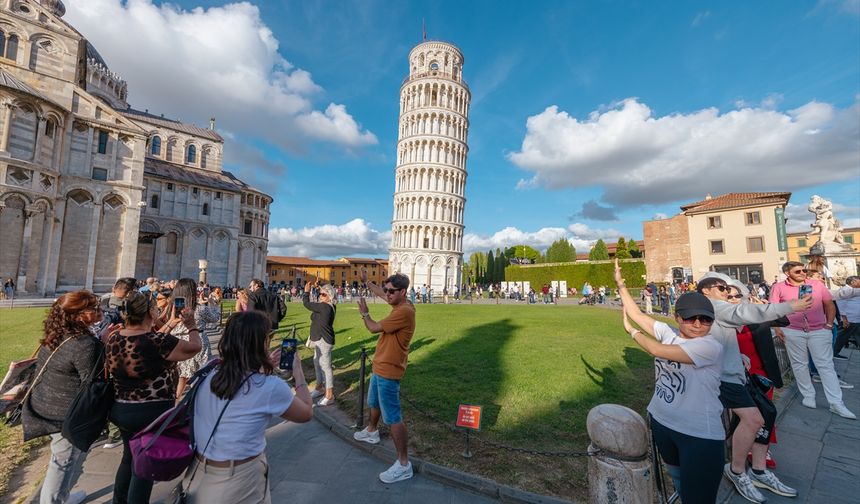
[639,158]
[701,16]
[329,240]
[578,234]
[222,61]
[660,216]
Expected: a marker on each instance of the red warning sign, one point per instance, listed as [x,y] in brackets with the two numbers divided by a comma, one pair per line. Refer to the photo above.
[469,417]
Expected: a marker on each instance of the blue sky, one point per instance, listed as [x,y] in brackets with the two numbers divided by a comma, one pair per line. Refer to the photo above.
[586,117]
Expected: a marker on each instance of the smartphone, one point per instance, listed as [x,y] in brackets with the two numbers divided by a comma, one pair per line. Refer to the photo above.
[288,352]
[206,292]
[804,290]
[179,303]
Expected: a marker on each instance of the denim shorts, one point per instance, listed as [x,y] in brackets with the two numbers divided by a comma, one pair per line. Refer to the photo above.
[384,394]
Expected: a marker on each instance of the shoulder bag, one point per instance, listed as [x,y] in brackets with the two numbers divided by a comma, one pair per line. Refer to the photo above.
[88,414]
[35,425]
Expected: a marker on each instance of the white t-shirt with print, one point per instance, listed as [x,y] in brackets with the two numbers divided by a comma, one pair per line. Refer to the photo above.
[686,396]
[241,433]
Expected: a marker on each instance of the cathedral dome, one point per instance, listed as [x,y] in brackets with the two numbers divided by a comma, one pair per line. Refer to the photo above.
[55,6]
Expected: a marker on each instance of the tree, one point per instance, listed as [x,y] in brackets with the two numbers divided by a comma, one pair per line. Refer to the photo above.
[561,250]
[599,252]
[477,266]
[633,248]
[621,251]
[522,252]
[491,268]
[501,262]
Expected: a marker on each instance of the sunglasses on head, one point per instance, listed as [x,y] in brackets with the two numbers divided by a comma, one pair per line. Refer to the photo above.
[702,319]
[390,291]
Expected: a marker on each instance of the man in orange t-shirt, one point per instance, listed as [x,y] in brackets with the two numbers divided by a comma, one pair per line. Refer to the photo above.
[389,366]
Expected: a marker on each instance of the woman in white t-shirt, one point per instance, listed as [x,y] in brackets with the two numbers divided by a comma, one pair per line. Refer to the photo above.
[685,409]
[232,467]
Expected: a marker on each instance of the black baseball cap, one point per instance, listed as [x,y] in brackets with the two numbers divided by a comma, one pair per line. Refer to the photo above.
[692,304]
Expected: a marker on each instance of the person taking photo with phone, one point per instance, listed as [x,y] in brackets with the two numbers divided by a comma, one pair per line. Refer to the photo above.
[809,334]
[206,311]
[389,366]
[685,409]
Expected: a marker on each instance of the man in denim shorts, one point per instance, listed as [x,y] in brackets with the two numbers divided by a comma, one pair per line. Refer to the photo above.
[389,366]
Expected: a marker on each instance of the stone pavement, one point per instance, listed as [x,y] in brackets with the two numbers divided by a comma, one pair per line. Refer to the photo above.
[818,452]
[307,464]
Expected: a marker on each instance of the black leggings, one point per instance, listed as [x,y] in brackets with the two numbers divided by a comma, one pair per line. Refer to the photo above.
[131,418]
[701,462]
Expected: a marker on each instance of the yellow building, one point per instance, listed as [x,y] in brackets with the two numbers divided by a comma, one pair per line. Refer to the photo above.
[342,272]
[798,243]
[739,234]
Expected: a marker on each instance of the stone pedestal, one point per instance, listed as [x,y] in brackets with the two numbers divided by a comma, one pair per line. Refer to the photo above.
[622,473]
[840,259]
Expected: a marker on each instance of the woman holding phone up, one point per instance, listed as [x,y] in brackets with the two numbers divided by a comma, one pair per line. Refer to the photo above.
[206,311]
[322,339]
[685,409]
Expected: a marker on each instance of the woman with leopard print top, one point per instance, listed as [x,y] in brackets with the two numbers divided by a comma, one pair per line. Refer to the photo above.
[142,363]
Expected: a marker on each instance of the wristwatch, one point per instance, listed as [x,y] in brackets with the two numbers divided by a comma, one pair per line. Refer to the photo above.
[365,315]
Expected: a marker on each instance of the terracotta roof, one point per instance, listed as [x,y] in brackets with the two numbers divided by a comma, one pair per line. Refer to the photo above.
[176,173]
[364,260]
[138,115]
[301,261]
[737,200]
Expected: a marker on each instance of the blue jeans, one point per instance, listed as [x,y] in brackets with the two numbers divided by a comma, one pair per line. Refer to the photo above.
[64,469]
[384,394]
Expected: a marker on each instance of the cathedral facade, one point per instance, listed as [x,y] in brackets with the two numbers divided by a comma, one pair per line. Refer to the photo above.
[430,177]
[92,189]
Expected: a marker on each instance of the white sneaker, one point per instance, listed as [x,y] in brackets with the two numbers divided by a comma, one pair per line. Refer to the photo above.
[842,411]
[845,385]
[367,436]
[325,401]
[315,393]
[743,485]
[396,473]
[816,378]
[111,444]
[76,497]
[809,402]
[769,481]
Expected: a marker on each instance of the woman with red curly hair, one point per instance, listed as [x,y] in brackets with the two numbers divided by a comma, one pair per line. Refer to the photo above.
[68,355]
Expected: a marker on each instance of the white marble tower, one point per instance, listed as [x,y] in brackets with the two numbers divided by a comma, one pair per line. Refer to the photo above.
[430,178]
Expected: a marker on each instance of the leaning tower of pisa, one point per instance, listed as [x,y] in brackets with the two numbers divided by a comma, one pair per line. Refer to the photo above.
[430,178]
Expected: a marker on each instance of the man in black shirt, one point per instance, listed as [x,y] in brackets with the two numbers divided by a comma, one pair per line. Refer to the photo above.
[268,302]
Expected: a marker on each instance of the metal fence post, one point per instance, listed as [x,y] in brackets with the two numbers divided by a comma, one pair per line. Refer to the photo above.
[359,420]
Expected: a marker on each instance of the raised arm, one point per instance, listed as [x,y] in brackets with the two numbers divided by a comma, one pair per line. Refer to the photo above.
[631,308]
[375,289]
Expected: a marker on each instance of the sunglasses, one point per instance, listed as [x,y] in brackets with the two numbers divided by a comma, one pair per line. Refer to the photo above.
[735,296]
[797,272]
[702,319]
[721,288]
[390,291]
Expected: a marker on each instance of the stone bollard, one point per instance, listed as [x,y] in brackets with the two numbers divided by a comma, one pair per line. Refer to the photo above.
[620,433]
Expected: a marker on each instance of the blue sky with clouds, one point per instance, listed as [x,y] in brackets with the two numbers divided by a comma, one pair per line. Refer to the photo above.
[586,117]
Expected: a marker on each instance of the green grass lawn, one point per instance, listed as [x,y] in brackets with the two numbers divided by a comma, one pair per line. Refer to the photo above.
[536,369]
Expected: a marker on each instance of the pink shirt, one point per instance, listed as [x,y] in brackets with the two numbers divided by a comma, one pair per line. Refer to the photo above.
[815,318]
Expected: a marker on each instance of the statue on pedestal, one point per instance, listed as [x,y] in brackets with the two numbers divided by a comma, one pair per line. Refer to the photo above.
[837,258]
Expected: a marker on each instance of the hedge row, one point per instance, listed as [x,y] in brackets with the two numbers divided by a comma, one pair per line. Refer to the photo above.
[597,273]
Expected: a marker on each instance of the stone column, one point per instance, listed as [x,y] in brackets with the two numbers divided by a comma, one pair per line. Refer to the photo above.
[24,258]
[621,472]
[94,243]
[232,262]
[54,242]
[130,235]
[89,162]
[40,129]
[7,125]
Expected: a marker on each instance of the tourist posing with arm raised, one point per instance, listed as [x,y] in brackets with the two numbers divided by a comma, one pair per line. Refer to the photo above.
[685,409]
[206,310]
[322,339]
[389,366]
[749,435]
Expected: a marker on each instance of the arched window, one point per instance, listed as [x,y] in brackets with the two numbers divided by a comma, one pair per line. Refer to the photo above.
[205,208]
[191,157]
[12,47]
[153,202]
[156,146]
[170,243]
[2,42]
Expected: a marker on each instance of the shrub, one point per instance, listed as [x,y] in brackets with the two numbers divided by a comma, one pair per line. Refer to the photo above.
[576,274]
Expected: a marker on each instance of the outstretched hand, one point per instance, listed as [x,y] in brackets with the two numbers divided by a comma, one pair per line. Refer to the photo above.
[801,304]
[363,275]
[362,305]
[619,280]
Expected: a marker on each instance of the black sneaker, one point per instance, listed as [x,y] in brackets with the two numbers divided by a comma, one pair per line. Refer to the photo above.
[840,357]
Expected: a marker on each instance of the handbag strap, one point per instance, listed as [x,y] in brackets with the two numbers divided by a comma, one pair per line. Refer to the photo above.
[41,371]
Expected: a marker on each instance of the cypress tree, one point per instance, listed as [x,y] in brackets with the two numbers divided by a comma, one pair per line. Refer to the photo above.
[599,252]
[491,268]
[621,251]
